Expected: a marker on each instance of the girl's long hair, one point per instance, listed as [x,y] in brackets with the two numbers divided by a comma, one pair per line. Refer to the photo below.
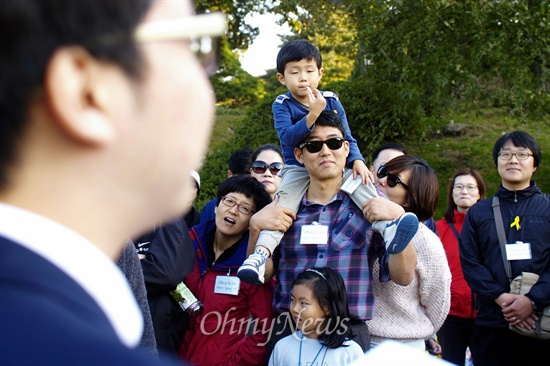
[330,291]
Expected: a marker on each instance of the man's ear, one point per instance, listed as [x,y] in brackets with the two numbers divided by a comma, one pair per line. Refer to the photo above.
[76,98]
[346,146]
[281,78]
[298,154]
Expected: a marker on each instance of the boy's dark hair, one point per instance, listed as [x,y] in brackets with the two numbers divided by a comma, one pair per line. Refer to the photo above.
[247,185]
[32,30]
[519,139]
[423,191]
[265,147]
[296,50]
[330,291]
[239,162]
[451,205]
[387,146]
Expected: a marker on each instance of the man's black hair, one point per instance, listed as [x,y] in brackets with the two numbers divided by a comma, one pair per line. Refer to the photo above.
[239,162]
[329,119]
[32,30]
[519,139]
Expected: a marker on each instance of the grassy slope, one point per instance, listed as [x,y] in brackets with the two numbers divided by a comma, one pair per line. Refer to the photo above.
[446,154]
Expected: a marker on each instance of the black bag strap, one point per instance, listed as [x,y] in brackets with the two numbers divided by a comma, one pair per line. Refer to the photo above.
[453,229]
[501,237]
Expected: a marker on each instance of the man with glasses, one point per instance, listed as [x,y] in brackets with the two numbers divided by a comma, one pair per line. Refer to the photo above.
[330,230]
[525,214]
[95,149]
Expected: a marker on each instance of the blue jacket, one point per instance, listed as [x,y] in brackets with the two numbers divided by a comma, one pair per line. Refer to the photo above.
[480,253]
[46,318]
[290,122]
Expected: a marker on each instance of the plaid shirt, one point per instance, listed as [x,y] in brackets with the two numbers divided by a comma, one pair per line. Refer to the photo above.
[351,250]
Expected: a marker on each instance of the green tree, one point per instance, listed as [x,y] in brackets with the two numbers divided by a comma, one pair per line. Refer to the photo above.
[234,87]
[326,24]
[416,59]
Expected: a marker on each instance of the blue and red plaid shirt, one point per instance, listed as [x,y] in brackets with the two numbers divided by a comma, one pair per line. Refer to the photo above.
[351,250]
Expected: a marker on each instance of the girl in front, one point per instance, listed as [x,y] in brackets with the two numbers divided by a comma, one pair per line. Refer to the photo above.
[319,306]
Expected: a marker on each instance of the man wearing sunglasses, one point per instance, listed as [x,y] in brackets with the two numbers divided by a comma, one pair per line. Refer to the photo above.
[95,149]
[330,230]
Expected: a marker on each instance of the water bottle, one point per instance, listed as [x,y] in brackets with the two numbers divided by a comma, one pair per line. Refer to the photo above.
[188,302]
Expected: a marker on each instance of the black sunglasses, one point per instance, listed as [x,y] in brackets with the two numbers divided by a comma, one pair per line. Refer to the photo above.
[392,180]
[259,167]
[315,146]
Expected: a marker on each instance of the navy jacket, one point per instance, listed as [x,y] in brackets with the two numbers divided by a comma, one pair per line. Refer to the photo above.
[169,259]
[480,253]
[46,318]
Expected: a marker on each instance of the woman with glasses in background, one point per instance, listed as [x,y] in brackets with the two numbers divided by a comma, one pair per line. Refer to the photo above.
[218,335]
[411,314]
[267,162]
[466,187]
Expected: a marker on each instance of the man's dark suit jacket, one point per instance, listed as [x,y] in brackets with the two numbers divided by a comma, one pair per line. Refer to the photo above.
[46,318]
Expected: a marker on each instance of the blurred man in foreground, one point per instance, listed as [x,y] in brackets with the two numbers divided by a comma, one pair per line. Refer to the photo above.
[105,111]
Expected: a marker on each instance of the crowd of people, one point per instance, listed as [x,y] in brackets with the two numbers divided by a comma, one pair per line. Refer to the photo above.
[306,255]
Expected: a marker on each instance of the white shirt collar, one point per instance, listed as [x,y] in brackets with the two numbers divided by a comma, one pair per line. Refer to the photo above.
[80,260]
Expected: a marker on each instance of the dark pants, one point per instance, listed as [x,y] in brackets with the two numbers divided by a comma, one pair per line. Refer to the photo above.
[454,336]
[501,346]
[284,326]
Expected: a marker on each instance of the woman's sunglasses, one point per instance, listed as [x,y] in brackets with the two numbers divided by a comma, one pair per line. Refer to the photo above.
[315,146]
[392,180]
[259,167]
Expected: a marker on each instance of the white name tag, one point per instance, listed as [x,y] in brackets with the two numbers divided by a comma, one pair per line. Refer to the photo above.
[228,285]
[518,251]
[314,234]
[351,184]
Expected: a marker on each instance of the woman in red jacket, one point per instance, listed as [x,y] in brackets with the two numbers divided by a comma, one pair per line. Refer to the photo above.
[221,335]
[466,187]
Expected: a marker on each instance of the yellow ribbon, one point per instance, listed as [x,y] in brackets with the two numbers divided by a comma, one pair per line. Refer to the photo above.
[516,223]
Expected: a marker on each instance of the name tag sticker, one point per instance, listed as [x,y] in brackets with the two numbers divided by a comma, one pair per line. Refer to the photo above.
[228,285]
[350,185]
[518,251]
[314,234]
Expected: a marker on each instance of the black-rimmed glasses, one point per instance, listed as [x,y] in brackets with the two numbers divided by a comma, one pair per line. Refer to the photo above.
[230,202]
[202,30]
[518,155]
[392,180]
[315,146]
[259,167]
